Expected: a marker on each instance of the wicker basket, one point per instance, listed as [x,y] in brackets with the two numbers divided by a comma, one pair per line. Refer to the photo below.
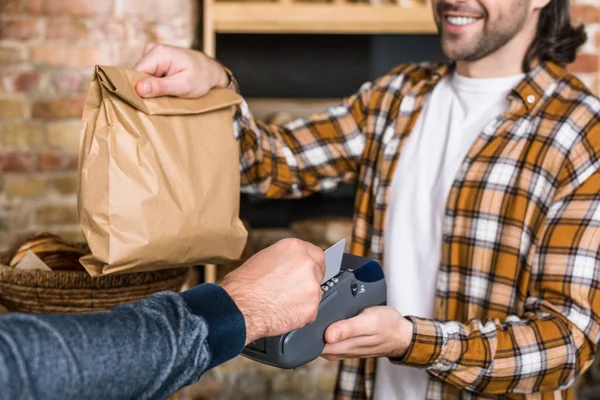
[77,291]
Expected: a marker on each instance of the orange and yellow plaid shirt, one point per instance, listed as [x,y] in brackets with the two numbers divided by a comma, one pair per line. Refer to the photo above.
[517,308]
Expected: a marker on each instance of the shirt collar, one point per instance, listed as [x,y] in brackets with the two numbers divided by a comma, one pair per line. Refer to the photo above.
[529,91]
[537,82]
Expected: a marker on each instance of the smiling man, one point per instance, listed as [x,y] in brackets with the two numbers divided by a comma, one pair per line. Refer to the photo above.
[478,187]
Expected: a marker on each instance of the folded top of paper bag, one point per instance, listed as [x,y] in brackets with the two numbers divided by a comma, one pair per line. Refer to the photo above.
[159,179]
[121,82]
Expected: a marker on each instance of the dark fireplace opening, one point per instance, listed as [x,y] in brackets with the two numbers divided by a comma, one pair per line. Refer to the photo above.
[317,66]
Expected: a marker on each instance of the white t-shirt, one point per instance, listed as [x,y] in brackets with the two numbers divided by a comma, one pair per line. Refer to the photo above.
[457,111]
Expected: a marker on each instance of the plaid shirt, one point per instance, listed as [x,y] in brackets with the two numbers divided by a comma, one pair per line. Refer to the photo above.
[517,308]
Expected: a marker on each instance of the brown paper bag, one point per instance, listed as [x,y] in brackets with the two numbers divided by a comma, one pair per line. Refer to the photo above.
[159,180]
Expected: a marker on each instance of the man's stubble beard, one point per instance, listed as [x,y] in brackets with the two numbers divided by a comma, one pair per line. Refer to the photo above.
[490,39]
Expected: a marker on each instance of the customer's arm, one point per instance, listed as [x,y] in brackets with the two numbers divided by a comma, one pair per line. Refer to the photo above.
[152,348]
[146,350]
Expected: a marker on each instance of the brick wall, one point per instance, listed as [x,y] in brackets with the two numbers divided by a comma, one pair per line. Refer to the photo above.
[47,51]
[587,67]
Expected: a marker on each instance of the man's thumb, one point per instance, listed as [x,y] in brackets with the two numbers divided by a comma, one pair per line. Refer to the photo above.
[155,87]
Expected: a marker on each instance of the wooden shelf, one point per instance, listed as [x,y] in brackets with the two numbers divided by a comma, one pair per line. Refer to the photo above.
[320,18]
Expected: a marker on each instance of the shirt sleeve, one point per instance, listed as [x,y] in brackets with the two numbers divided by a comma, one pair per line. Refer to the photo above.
[306,155]
[555,339]
[146,350]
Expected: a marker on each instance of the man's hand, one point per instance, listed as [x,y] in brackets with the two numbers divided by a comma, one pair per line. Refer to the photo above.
[178,72]
[279,288]
[376,332]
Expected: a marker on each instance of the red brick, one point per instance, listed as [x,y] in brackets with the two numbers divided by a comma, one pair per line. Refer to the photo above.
[11,6]
[80,8]
[19,82]
[106,29]
[66,29]
[10,55]
[27,81]
[21,29]
[585,13]
[56,160]
[16,161]
[68,82]
[58,108]
[58,55]
[585,63]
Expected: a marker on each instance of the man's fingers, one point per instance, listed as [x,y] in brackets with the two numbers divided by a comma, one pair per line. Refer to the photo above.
[167,86]
[154,62]
[354,346]
[361,325]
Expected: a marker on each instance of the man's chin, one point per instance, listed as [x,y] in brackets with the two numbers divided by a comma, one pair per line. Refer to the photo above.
[456,52]
[454,55]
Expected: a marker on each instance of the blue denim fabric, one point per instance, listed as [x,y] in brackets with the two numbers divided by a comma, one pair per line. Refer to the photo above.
[145,350]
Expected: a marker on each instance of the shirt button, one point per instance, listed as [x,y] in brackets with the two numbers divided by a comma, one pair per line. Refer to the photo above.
[530,99]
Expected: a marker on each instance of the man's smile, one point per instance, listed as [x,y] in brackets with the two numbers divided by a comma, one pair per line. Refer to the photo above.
[458,22]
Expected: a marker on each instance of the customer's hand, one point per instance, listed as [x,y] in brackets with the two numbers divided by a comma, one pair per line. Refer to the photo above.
[278,289]
[376,332]
[178,72]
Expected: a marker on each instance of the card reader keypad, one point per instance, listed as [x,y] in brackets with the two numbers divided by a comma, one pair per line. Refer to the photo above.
[329,284]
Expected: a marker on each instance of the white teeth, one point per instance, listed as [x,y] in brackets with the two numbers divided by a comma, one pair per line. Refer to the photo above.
[460,21]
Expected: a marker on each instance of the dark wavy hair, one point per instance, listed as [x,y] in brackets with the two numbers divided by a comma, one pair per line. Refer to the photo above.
[556,39]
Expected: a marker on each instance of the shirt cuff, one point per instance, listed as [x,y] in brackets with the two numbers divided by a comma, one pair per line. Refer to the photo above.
[226,324]
[233,83]
[426,345]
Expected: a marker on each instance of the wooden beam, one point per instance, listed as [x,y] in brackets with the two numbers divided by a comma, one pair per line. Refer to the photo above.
[208,27]
[324,18]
